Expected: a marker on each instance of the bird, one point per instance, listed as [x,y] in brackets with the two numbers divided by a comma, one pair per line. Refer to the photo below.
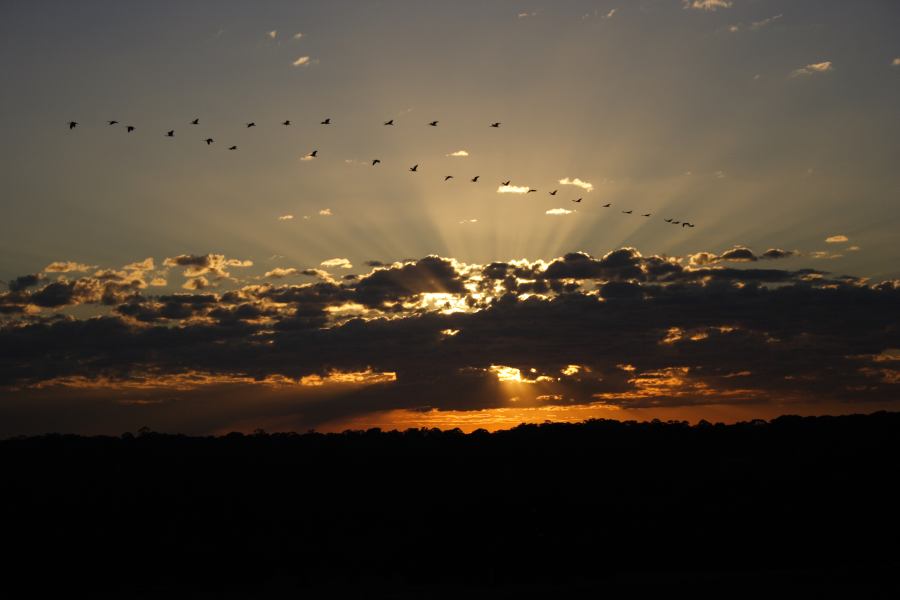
[113,122]
[675,222]
[209,141]
[686,224]
[130,128]
[73,124]
[553,193]
[195,122]
[647,215]
[448,177]
[326,121]
[531,190]
[579,200]
[475,179]
[288,122]
[314,153]
[375,161]
[607,205]
[506,182]
[667,220]
[433,123]
[251,124]
[391,122]
[170,133]
[497,124]
[627,212]
[232,147]
[414,168]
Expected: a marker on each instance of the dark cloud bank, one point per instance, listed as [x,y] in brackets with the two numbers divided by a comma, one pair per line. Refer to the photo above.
[643,332]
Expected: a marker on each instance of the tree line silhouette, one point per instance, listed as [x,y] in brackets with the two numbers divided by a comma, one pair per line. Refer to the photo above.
[797,504]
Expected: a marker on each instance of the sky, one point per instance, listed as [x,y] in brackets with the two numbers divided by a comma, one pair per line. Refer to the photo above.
[162,281]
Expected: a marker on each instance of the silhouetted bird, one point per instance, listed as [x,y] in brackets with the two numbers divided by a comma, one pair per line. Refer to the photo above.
[433,123]
[170,133]
[686,224]
[667,220]
[326,121]
[647,215]
[232,147]
[73,124]
[209,141]
[129,129]
[607,205]
[375,161]
[195,122]
[391,122]
[531,190]
[251,124]
[113,122]
[448,177]
[288,122]
[495,124]
[414,168]
[553,193]
[579,200]
[675,222]
[475,179]
[506,182]
[314,153]
[627,212]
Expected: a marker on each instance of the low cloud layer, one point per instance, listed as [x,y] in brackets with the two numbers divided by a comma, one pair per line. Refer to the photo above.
[622,330]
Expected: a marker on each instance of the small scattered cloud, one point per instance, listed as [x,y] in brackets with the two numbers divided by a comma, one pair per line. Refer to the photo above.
[336,263]
[196,283]
[812,69]
[464,221]
[158,282]
[459,153]
[610,14]
[297,35]
[837,239]
[764,22]
[853,249]
[325,212]
[301,61]
[706,4]
[586,186]
[279,272]
[308,157]
[512,189]
[525,15]
[558,211]
[272,34]
[720,174]
[734,28]
[286,217]
[67,266]
[896,62]
[823,255]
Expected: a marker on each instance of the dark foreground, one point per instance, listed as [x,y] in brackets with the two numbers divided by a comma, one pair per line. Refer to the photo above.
[802,507]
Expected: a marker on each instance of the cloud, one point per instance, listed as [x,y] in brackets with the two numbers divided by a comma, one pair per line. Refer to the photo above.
[706,4]
[896,62]
[23,282]
[764,22]
[823,255]
[325,212]
[301,61]
[459,153]
[297,35]
[524,15]
[286,217]
[279,272]
[464,221]
[623,329]
[558,211]
[837,239]
[737,254]
[610,14]
[272,34]
[577,182]
[204,264]
[812,69]
[340,263]
[67,267]
[512,189]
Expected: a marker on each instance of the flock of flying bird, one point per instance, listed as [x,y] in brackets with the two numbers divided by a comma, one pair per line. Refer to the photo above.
[376,161]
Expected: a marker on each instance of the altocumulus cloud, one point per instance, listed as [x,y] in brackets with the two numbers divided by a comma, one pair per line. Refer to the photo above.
[812,69]
[706,4]
[621,330]
[586,186]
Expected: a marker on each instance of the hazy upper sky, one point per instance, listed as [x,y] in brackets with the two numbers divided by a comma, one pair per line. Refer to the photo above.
[768,124]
